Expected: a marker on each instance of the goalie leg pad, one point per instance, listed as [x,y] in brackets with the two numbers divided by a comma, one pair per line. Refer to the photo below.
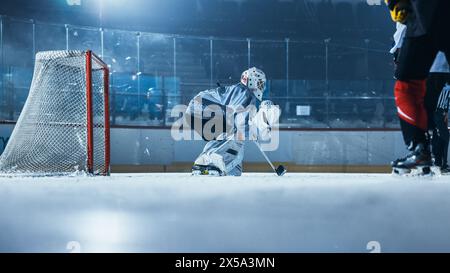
[226,155]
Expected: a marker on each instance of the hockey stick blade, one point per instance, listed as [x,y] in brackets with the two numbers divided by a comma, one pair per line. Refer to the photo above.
[281,170]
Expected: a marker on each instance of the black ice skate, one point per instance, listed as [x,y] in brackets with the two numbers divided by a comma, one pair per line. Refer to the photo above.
[419,158]
[206,170]
[445,170]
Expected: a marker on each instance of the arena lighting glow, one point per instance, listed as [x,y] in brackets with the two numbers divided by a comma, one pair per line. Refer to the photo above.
[73,2]
[105,230]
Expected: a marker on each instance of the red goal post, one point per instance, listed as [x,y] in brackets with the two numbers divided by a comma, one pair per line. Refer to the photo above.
[90,58]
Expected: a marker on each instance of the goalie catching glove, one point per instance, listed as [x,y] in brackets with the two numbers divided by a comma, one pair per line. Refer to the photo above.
[266,119]
[399,10]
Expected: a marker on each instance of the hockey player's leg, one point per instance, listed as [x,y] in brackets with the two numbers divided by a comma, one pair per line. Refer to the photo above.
[435,83]
[237,171]
[440,144]
[445,168]
[409,98]
[432,96]
[232,154]
[208,164]
[415,60]
[413,119]
[445,142]
[436,148]
[222,156]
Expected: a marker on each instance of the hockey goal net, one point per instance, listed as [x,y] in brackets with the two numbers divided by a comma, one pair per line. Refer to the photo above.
[64,125]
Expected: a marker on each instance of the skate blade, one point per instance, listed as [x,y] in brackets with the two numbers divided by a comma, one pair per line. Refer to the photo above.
[205,173]
[401,171]
[418,171]
[425,171]
[438,171]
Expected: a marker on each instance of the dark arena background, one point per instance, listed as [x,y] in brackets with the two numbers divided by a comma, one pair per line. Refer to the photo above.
[329,70]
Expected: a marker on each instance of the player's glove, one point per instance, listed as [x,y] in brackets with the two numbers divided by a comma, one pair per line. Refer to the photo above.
[399,9]
[266,118]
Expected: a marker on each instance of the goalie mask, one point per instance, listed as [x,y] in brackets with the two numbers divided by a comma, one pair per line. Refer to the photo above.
[255,80]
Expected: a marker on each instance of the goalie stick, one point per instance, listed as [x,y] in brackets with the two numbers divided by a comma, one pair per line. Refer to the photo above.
[280,170]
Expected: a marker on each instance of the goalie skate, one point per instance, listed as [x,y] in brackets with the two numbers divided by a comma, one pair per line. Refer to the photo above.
[198,170]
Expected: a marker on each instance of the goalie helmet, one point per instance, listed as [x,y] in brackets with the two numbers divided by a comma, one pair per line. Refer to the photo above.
[255,80]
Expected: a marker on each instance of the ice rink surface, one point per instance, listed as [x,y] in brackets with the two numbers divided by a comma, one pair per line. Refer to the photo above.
[252,213]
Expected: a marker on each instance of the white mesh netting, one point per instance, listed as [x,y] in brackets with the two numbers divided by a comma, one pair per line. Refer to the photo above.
[50,137]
